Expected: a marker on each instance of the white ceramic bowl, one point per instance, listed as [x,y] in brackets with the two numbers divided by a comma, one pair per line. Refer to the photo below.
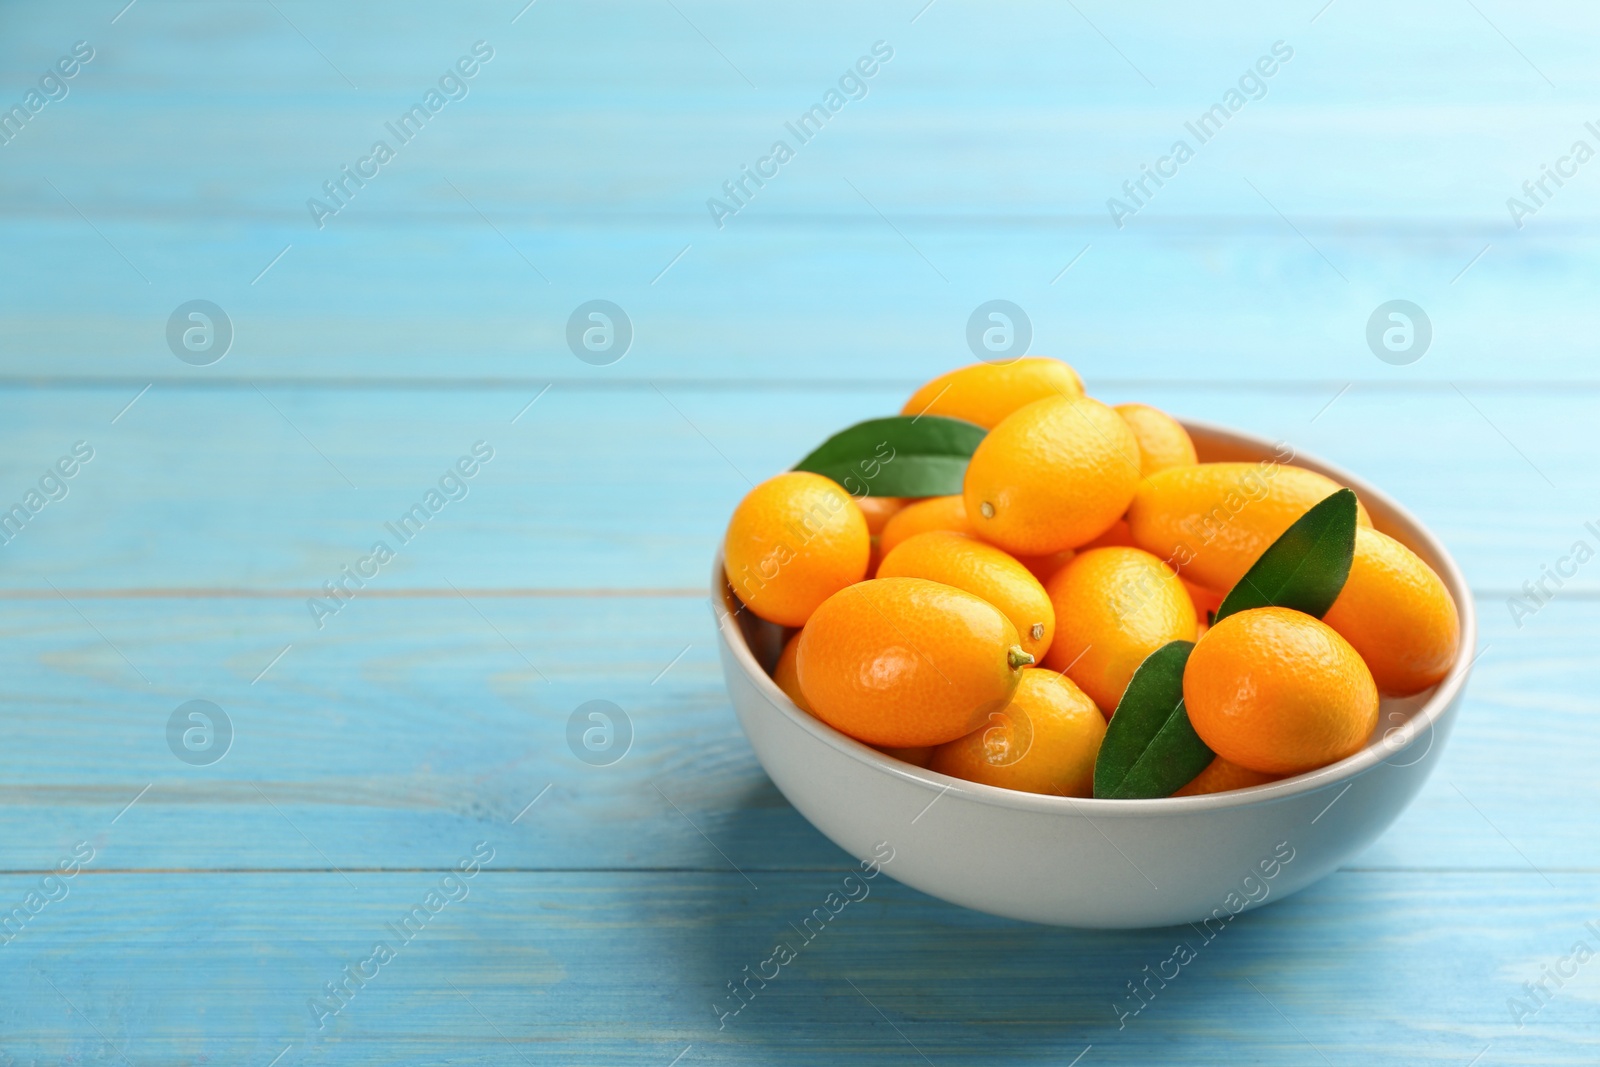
[1101,863]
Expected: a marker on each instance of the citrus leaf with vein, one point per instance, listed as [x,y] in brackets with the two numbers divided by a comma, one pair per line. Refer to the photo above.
[1150,749]
[1306,567]
[903,455]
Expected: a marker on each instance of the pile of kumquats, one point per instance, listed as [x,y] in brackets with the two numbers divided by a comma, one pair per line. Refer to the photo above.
[1016,584]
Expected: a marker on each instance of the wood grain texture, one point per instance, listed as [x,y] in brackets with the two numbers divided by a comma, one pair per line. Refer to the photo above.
[374,752]
[629,487]
[632,968]
[809,299]
[571,172]
[407,722]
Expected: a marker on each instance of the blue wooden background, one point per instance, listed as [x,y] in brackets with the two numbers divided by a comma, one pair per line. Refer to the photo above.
[373,754]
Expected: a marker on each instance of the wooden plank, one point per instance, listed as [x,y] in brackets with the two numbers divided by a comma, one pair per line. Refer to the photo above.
[407,723]
[637,112]
[780,301]
[630,487]
[439,269]
[625,968]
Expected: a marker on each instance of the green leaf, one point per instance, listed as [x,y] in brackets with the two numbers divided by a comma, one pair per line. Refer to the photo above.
[925,455]
[1306,567]
[1150,750]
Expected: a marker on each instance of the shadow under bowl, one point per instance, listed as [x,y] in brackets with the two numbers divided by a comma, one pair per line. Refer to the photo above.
[1101,863]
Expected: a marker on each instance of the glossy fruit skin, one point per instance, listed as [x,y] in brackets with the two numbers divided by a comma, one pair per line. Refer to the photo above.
[1163,442]
[1115,534]
[904,662]
[1397,613]
[984,571]
[1277,691]
[1045,741]
[1053,475]
[1114,606]
[787,677]
[985,393]
[1045,567]
[1220,776]
[934,513]
[793,541]
[1213,520]
[878,510]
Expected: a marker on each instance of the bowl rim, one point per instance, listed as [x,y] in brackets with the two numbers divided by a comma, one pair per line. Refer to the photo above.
[1379,750]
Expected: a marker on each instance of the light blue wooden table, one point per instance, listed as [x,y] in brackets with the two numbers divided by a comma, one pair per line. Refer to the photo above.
[422,727]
